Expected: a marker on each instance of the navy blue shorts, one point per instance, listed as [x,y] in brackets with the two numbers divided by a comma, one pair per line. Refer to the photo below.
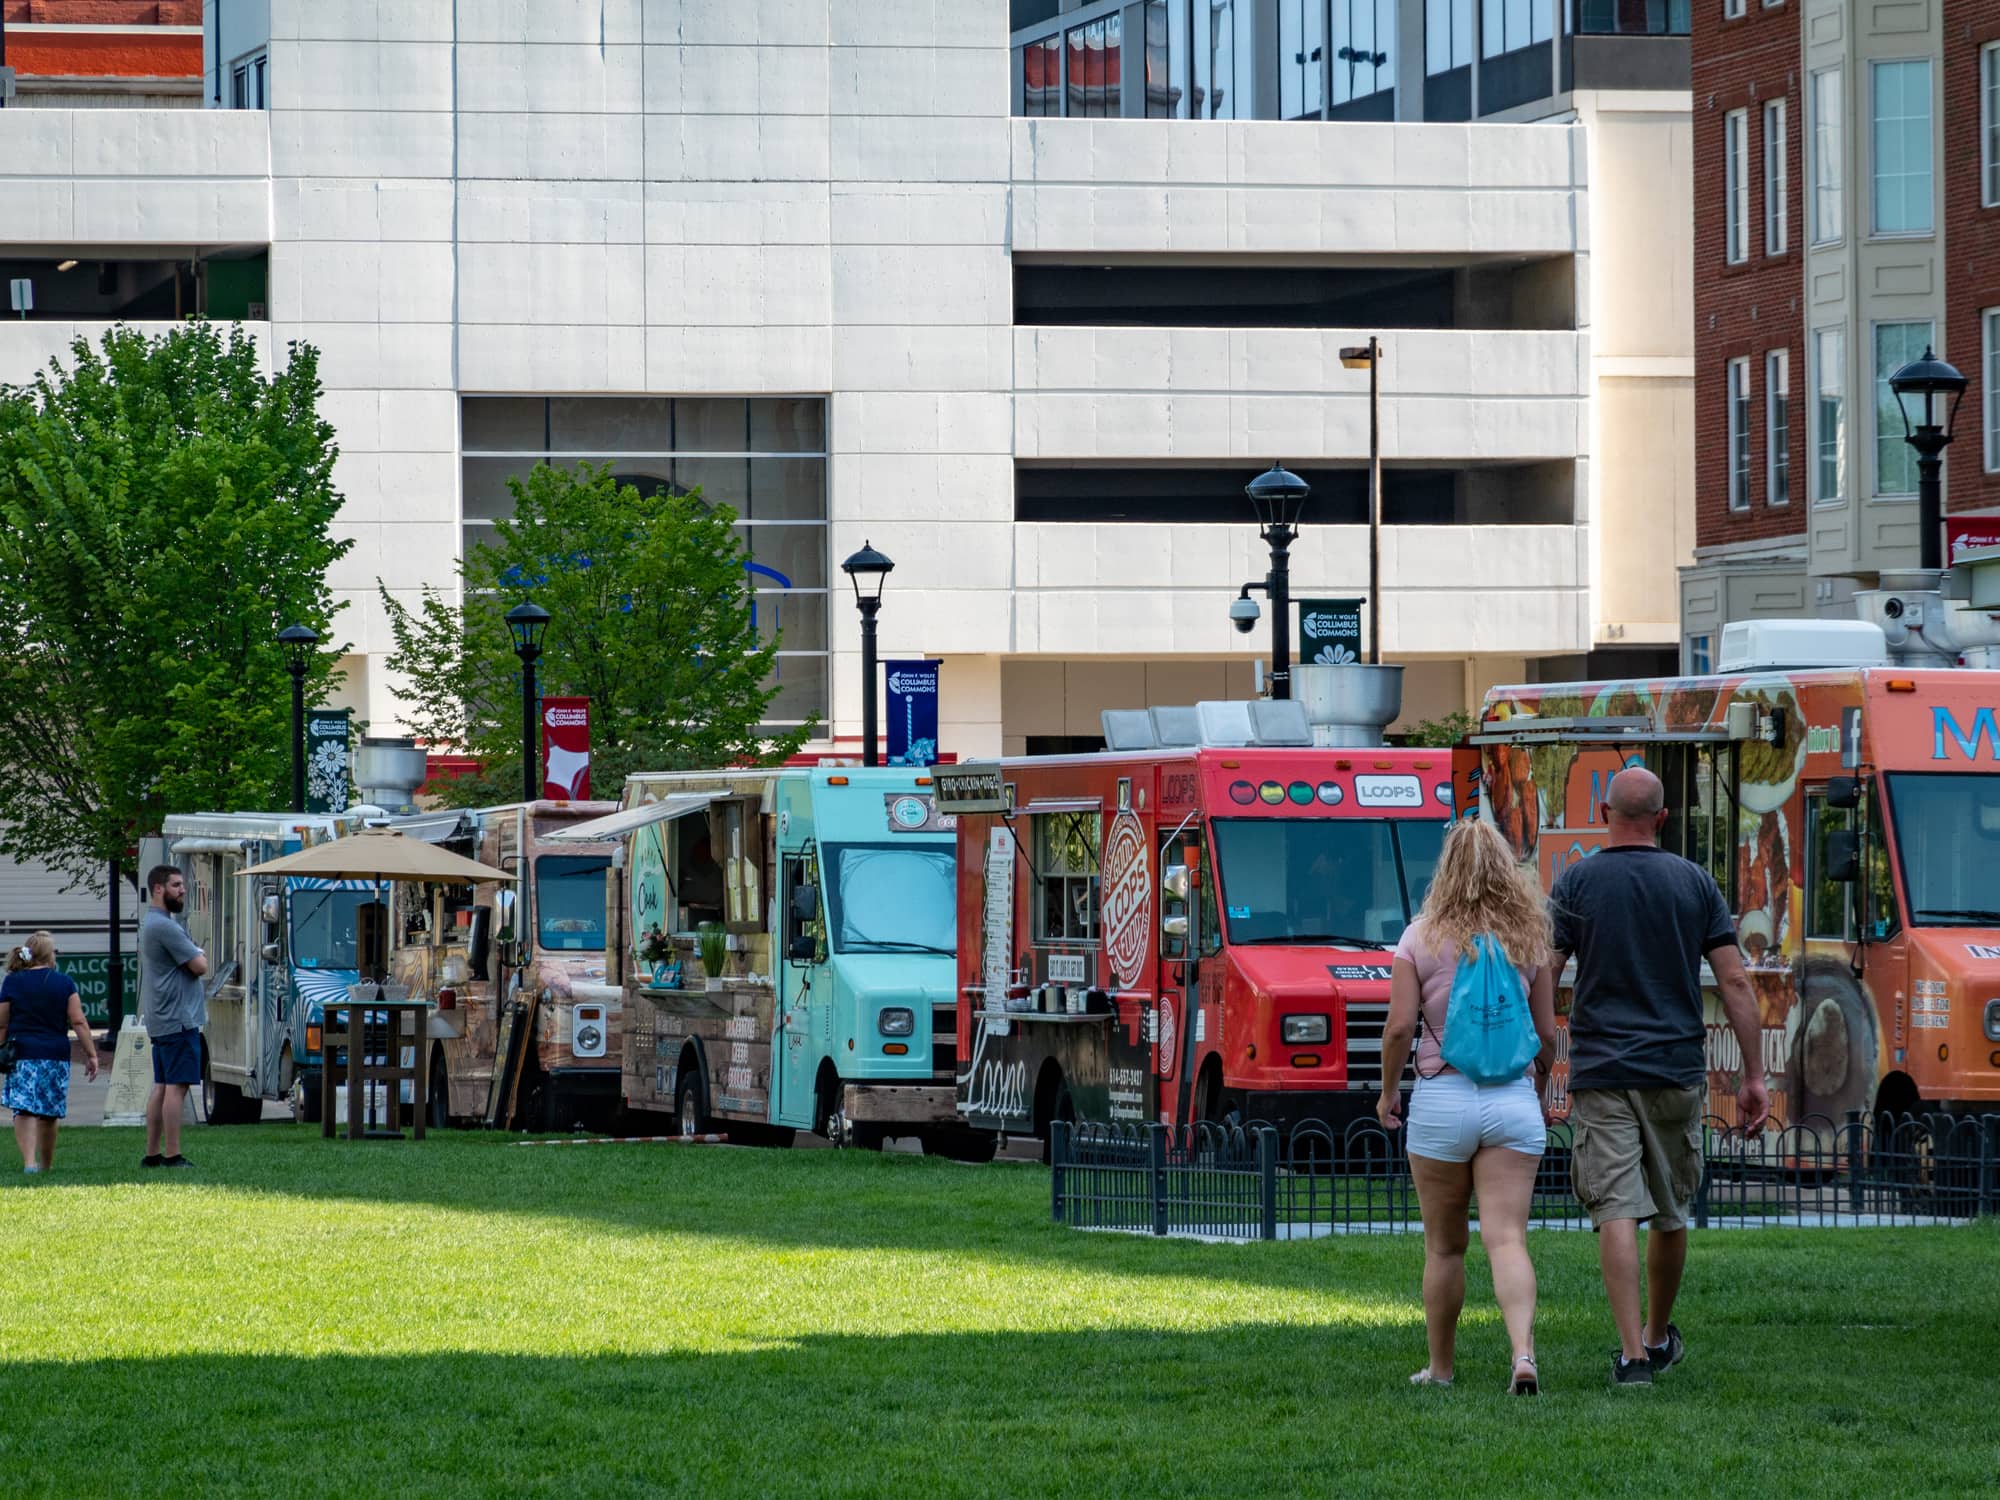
[177,1058]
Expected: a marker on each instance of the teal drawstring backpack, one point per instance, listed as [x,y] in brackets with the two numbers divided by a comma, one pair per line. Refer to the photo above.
[1489,1036]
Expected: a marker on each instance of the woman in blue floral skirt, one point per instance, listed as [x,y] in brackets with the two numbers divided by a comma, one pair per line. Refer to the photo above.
[39,1007]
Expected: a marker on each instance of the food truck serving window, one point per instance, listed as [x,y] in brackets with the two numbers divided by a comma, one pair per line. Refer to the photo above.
[325,928]
[1300,880]
[1948,833]
[1066,850]
[892,898]
[569,902]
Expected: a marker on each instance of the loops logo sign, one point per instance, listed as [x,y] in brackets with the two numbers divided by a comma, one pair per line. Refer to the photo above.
[1127,898]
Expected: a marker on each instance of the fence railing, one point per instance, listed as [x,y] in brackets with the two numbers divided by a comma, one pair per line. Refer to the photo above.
[1252,1181]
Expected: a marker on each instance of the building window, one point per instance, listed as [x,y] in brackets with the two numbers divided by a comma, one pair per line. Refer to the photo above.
[1447,35]
[1509,25]
[1736,185]
[1096,74]
[1066,877]
[764,458]
[1900,95]
[1989,324]
[1732,10]
[1166,60]
[1778,427]
[1214,59]
[1626,18]
[1699,657]
[1364,48]
[1896,344]
[1827,137]
[1989,124]
[259,67]
[239,87]
[1739,434]
[1829,415]
[1041,77]
[246,82]
[1776,183]
[1301,59]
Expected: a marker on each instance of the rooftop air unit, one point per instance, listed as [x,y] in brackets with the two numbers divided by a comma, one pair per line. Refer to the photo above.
[1800,645]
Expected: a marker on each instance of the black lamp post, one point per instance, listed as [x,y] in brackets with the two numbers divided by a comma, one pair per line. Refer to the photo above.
[527,622]
[1279,498]
[298,641]
[1368,357]
[1932,380]
[870,570]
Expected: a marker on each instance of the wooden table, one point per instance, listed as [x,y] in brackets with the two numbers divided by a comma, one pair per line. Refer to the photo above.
[392,1071]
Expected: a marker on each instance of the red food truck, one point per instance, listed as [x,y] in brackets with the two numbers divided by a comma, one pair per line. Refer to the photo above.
[1082,880]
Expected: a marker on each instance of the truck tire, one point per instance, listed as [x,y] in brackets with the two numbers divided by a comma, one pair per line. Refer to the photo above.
[224,1103]
[687,1103]
[305,1099]
[438,1103]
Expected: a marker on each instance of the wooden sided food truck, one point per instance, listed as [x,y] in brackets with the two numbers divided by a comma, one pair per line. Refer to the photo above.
[1297,869]
[1851,816]
[524,1030]
[825,900]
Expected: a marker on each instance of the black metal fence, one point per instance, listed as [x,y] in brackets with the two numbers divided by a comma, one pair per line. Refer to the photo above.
[1251,1181]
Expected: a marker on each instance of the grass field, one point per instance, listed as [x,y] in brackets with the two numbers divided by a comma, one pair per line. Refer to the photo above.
[465,1317]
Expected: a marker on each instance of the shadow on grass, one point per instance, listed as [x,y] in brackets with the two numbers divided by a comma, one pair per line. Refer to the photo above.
[1236,1410]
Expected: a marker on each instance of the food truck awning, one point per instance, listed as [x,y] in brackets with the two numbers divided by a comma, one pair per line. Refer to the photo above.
[1591,730]
[1062,805]
[630,819]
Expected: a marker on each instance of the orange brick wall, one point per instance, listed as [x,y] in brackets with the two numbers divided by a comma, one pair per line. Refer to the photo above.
[131,53]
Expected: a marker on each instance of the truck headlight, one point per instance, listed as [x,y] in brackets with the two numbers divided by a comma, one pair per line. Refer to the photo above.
[897,1021]
[1302,1031]
[1993,1020]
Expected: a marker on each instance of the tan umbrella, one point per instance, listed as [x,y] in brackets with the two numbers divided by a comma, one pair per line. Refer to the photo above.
[380,854]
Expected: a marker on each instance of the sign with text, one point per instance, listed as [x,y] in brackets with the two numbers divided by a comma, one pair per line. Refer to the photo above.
[92,973]
[971,788]
[1969,534]
[328,768]
[566,749]
[1329,631]
[913,712]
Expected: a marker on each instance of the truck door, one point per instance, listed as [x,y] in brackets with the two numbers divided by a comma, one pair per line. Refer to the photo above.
[804,988]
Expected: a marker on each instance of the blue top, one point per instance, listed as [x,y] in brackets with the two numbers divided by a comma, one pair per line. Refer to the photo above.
[39,1017]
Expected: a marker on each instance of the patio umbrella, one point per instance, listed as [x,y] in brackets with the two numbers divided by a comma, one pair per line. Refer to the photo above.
[380,854]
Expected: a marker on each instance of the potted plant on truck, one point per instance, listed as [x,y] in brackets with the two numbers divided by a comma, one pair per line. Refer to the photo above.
[713,943]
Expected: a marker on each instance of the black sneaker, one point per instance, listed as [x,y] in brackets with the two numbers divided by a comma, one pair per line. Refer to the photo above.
[177,1161]
[154,1160]
[1665,1356]
[1630,1371]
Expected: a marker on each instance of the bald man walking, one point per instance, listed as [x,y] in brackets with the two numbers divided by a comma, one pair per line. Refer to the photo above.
[1640,921]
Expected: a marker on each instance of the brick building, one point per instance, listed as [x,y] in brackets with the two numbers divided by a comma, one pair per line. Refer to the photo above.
[82,54]
[1889,199]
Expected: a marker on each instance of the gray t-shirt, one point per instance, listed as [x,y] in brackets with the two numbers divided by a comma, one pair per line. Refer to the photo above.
[170,998]
[1640,921]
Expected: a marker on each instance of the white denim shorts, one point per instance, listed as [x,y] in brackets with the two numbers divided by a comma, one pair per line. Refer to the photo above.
[1451,1118]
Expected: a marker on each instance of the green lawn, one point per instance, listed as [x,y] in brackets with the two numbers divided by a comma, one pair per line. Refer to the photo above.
[464,1317]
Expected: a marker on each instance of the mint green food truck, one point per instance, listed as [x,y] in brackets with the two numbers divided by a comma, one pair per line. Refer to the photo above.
[785,940]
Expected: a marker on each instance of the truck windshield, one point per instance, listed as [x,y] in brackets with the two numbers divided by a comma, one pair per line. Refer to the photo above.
[892,898]
[569,902]
[324,926]
[1948,834]
[1306,880]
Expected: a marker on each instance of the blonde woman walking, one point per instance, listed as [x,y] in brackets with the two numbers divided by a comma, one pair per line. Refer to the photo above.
[1465,1136]
[39,1007]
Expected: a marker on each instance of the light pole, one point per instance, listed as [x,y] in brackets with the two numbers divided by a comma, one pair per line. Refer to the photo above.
[1368,357]
[298,641]
[526,622]
[1931,379]
[1278,497]
[870,570]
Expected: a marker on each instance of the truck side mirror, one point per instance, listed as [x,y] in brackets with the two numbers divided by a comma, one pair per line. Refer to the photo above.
[270,953]
[479,942]
[805,903]
[271,908]
[1174,881]
[1843,857]
[803,949]
[1843,792]
[1175,926]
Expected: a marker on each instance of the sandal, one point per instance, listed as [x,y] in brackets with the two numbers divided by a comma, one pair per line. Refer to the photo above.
[1524,1383]
[1424,1377]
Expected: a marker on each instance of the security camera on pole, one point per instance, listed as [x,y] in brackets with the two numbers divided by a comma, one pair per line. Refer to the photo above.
[1278,497]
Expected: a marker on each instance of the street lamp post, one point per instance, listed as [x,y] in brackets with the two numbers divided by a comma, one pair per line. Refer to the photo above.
[1278,497]
[870,570]
[1930,380]
[527,622]
[1368,357]
[298,641]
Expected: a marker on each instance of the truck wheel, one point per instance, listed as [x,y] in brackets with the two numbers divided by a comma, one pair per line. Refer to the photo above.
[687,1104]
[438,1104]
[1061,1107]
[223,1103]
[305,1099]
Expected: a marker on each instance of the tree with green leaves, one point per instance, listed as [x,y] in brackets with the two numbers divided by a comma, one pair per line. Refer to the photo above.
[165,508]
[651,620]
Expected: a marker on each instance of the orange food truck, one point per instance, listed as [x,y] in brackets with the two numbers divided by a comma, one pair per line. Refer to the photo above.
[1081,879]
[1851,815]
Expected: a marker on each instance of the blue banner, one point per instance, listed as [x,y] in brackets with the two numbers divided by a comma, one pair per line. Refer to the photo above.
[913,712]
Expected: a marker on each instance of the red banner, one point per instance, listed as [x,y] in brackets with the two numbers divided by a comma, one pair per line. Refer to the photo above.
[1969,534]
[566,749]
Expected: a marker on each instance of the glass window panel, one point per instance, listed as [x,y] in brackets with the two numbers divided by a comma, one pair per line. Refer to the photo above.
[649,476]
[1291,58]
[1989,123]
[1216,53]
[1777,427]
[1775,185]
[1160,98]
[722,481]
[788,426]
[797,554]
[1902,145]
[1736,185]
[1079,69]
[505,424]
[1989,323]
[1492,27]
[1543,20]
[801,690]
[797,618]
[787,489]
[1110,97]
[486,494]
[1830,422]
[1739,434]
[1896,344]
[610,424]
[1461,33]
[709,425]
[1827,137]
[1437,36]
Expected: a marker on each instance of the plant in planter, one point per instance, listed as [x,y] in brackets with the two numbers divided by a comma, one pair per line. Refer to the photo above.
[713,942]
[657,949]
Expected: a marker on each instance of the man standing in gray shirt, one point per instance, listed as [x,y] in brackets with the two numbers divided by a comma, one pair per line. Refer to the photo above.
[173,1009]
[1640,921]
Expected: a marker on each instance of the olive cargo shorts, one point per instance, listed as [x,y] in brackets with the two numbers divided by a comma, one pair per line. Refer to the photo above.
[1637,1153]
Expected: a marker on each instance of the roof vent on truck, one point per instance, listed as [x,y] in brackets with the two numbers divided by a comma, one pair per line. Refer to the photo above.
[1235,725]
[1799,645]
